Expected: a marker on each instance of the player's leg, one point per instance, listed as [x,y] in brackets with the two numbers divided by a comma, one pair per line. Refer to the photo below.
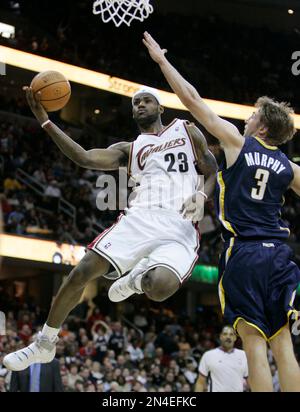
[288,368]
[166,266]
[159,275]
[284,281]
[90,267]
[160,283]
[43,349]
[255,346]
[247,286]
[172,262]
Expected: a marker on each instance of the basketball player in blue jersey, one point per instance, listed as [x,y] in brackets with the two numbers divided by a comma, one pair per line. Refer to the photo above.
[258,279]
[152,238]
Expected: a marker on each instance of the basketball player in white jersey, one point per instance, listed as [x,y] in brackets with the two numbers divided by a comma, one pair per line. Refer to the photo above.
[223,369]
[152,237]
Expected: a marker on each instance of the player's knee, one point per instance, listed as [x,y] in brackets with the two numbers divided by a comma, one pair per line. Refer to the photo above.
[159,285]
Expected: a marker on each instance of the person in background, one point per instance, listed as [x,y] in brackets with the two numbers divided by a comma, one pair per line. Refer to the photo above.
[38,378]
[223,369]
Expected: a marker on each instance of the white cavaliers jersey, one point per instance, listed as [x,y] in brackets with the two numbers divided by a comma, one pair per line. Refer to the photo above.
[162,167]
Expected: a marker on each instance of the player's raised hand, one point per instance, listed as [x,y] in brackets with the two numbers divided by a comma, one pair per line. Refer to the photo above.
[154,49]
[35,105]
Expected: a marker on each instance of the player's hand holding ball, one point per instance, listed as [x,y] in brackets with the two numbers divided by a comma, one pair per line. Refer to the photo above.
[35,105]
[49,91]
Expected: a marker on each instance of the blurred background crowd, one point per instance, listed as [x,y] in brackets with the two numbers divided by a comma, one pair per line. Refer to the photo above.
[153,349]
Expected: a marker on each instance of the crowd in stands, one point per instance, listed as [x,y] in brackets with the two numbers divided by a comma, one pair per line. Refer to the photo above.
[151,349]
[225,60]
[57,177]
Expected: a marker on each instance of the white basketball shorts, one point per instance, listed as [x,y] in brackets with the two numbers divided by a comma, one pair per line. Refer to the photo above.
[162,236]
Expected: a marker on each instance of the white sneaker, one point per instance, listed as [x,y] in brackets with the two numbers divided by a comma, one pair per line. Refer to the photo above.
[124,287]
[42,350]
[120,289]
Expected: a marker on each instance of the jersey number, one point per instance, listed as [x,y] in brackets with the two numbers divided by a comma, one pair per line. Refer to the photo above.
[182,158]
[262,177]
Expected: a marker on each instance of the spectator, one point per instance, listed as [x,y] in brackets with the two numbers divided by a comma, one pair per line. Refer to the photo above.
[53,190]
[11,184]
[135,352]
[2,384]
[73,377]
[117,339]
[38,378]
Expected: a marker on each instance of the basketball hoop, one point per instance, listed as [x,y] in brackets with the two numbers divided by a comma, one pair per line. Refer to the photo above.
[122,11]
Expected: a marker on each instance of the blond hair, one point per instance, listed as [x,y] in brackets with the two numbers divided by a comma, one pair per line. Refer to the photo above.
[278,118]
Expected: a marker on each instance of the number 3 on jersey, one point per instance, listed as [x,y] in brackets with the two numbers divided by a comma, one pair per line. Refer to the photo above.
[262,177]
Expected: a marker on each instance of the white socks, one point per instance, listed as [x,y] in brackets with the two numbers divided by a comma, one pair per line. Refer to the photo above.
[51,333]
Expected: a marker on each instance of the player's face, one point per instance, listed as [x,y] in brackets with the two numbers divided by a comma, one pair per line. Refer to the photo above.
[146,109]
[228,338]
[252,124]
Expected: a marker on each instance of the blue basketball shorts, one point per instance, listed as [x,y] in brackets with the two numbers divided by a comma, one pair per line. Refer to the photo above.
[257,283]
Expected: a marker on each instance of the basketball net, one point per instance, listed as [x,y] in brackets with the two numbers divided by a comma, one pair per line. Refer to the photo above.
[122,11]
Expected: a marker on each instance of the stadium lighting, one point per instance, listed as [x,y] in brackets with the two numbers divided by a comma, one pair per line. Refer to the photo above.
[37,250]
[290,11]
[116,85]
[7,31]
[97,111]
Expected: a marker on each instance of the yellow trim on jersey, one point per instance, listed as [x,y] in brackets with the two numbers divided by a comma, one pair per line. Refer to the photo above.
[250,324]
[224,222]
[222,295]
[285,228]
[229,250]
[220,287]
[288,321]
[264,144]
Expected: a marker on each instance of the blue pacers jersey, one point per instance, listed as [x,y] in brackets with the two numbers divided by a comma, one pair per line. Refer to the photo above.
[250,194]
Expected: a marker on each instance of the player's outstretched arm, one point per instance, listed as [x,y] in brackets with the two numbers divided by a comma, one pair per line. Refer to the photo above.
[223,130]
[295,185]
[98,159]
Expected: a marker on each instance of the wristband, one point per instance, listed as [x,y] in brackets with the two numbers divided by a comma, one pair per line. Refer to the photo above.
[203,194]
[45,123]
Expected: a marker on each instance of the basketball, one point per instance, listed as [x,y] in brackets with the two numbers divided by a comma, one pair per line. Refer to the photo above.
[55,90]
